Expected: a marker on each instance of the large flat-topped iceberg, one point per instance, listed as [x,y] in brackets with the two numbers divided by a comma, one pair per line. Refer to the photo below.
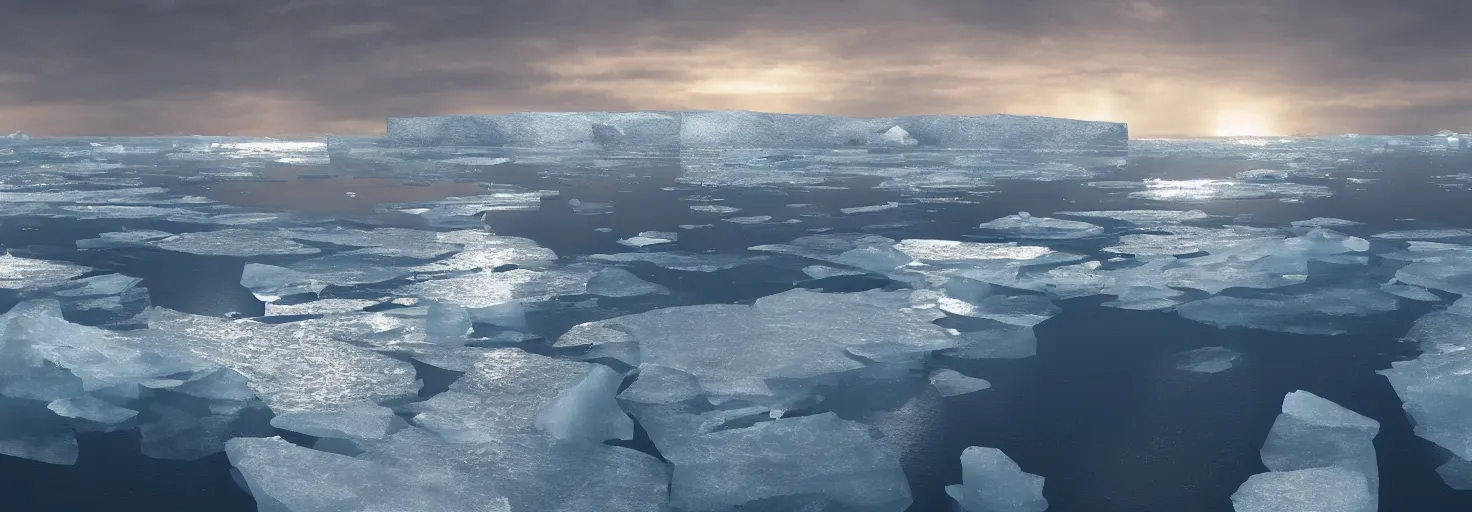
[746,129]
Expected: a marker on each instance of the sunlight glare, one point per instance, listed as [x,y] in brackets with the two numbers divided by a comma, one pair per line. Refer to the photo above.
[1240,123]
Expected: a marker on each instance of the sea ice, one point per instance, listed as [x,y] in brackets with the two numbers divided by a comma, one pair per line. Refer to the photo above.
[648,238]
[241,243]
[953,383]
[1207,360]
[1311,313]
[617,282]
[1313,433]
[270,283]
[18,273]
[1325,489]
[90,408]
[1024,225]
[779,341]
[510,390]
[992,482]
[680,261]
[359,421]
[771,463]
[286,477]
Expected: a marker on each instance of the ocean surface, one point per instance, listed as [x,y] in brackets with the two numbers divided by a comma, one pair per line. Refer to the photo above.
[1101,410]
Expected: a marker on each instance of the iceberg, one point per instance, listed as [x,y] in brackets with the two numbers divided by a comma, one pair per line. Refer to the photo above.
[739,129]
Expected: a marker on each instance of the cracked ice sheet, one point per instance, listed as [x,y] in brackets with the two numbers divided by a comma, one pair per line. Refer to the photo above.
[796,338]
[686,262]
[1141,217]
[284,476]
[535,473]
[483,250]
[510,390]
[485,288]
[1310,313]
[292,366]
[1436,387]
[18,273]
[768,467]
[242,243]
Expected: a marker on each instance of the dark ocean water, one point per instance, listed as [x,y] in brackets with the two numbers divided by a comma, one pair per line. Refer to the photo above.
[1100,411]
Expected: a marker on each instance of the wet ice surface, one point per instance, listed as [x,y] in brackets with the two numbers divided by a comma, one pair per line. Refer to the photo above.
[502,328]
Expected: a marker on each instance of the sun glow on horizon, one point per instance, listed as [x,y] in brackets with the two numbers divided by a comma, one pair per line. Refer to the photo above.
[1241,123]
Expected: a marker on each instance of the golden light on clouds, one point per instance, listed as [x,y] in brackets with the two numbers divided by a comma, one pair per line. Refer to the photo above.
[1241,123]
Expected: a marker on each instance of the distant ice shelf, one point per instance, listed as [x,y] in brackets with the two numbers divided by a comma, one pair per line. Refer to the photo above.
[746,129]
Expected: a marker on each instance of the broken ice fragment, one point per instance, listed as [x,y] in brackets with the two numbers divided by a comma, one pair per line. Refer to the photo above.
[1424,234]
[992,482]
[1326,489]
[587,410]
[1141,217]
[1313,432]
[1023,225]
[771,463]
[824,272]
[1325,222]
[617,282]
[243,243]
[270,283]
[648,238]
[277,474]
[1207,360]
[510,390]
[1311,313]
[953,383]
[748,220]
[360,421]
[870,209]
[88,407]
[29,431]
[714,208]
[24,273]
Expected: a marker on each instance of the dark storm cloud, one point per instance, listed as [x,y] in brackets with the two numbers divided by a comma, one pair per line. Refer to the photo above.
[284,66]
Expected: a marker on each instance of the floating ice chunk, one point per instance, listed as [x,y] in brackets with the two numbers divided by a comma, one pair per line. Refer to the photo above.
[1023,225]
[770,464]
[824,272]
[241,243]
[617,282]
[18,273]
[1268,175]
[1144,218]
[680,261]
[952,383]
[780,340]
[1326,489]
[1325,222]
[587,411]
[870,209]
[486,288]
[319,307]
[360,421]
[1415,293]
[1207,360]
[873,258]
[1434,387]
[825,246]
[714,208]
[748,220]
[117,239]
[29,431]
[270,283]
[88,407]
[286,477]
[118,295]
[510,390]
[950,251]
[1424,234]
[380,237]
[648,238]
[294,366]
[1457,473]
[476,161]
[483,250]
[696,226]
[996,340]
[1157,245]
[1313,432]
[1020,310]
[1311,313]
[1443,267]
[992,482]
[21,136]
[534,472]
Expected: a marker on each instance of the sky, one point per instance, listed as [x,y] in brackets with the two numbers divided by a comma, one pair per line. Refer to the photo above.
[311,67]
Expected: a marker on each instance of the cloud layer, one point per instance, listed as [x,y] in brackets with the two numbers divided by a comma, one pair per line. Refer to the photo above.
[1168,67]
